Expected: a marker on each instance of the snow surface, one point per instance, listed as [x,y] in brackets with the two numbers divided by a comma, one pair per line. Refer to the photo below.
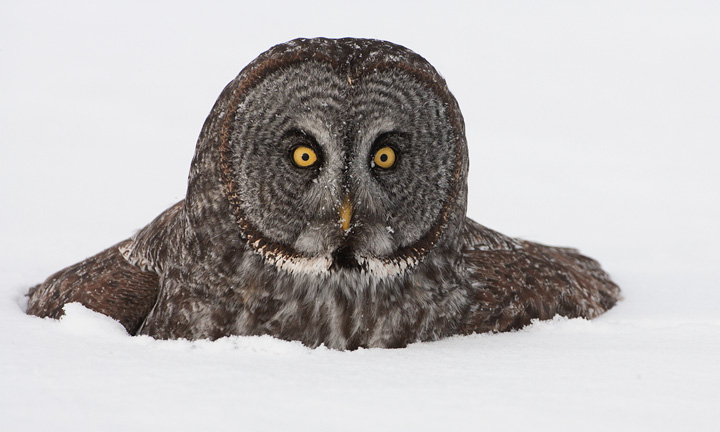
[590,124]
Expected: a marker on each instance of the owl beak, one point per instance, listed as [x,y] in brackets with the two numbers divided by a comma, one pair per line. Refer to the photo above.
[346,213]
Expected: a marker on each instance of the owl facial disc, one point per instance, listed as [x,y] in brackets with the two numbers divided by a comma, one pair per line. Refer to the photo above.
[325,173]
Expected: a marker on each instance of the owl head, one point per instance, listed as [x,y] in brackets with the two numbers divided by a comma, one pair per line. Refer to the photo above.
[332,155]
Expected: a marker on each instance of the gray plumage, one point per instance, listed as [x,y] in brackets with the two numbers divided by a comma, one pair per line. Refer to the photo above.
[258,247]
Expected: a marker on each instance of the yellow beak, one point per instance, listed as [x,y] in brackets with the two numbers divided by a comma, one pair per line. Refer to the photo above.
[346,213]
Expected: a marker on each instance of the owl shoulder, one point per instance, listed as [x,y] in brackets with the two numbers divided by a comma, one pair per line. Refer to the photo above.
[155,244]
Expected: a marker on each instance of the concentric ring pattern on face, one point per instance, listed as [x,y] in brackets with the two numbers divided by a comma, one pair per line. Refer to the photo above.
[346,122]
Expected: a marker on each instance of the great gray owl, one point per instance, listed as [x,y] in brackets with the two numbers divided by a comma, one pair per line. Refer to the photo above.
[326,204]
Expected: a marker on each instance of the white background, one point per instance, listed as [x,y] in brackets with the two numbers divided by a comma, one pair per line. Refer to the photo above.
[590,124]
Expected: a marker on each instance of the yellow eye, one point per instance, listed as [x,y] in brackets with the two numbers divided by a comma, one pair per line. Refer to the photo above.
[385,157]
[304,156]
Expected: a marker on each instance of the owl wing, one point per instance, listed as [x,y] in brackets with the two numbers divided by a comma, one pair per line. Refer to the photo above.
[105,283]
[114,282]
[515,281]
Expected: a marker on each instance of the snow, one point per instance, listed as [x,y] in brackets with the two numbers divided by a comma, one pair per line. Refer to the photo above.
[593,125]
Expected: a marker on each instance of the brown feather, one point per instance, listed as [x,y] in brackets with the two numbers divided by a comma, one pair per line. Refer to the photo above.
[517,281]
[105,283]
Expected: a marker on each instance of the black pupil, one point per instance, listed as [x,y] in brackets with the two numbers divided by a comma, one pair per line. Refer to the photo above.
[305,156]
[383,157]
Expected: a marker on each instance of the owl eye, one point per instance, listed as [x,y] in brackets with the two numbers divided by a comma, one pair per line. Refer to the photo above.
[384,158]
[304,156]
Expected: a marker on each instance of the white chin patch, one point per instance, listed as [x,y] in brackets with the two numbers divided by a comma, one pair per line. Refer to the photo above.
[298,264]
[383,268]
[320,265]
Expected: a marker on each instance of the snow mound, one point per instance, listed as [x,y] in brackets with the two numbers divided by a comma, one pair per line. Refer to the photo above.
[80,320]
